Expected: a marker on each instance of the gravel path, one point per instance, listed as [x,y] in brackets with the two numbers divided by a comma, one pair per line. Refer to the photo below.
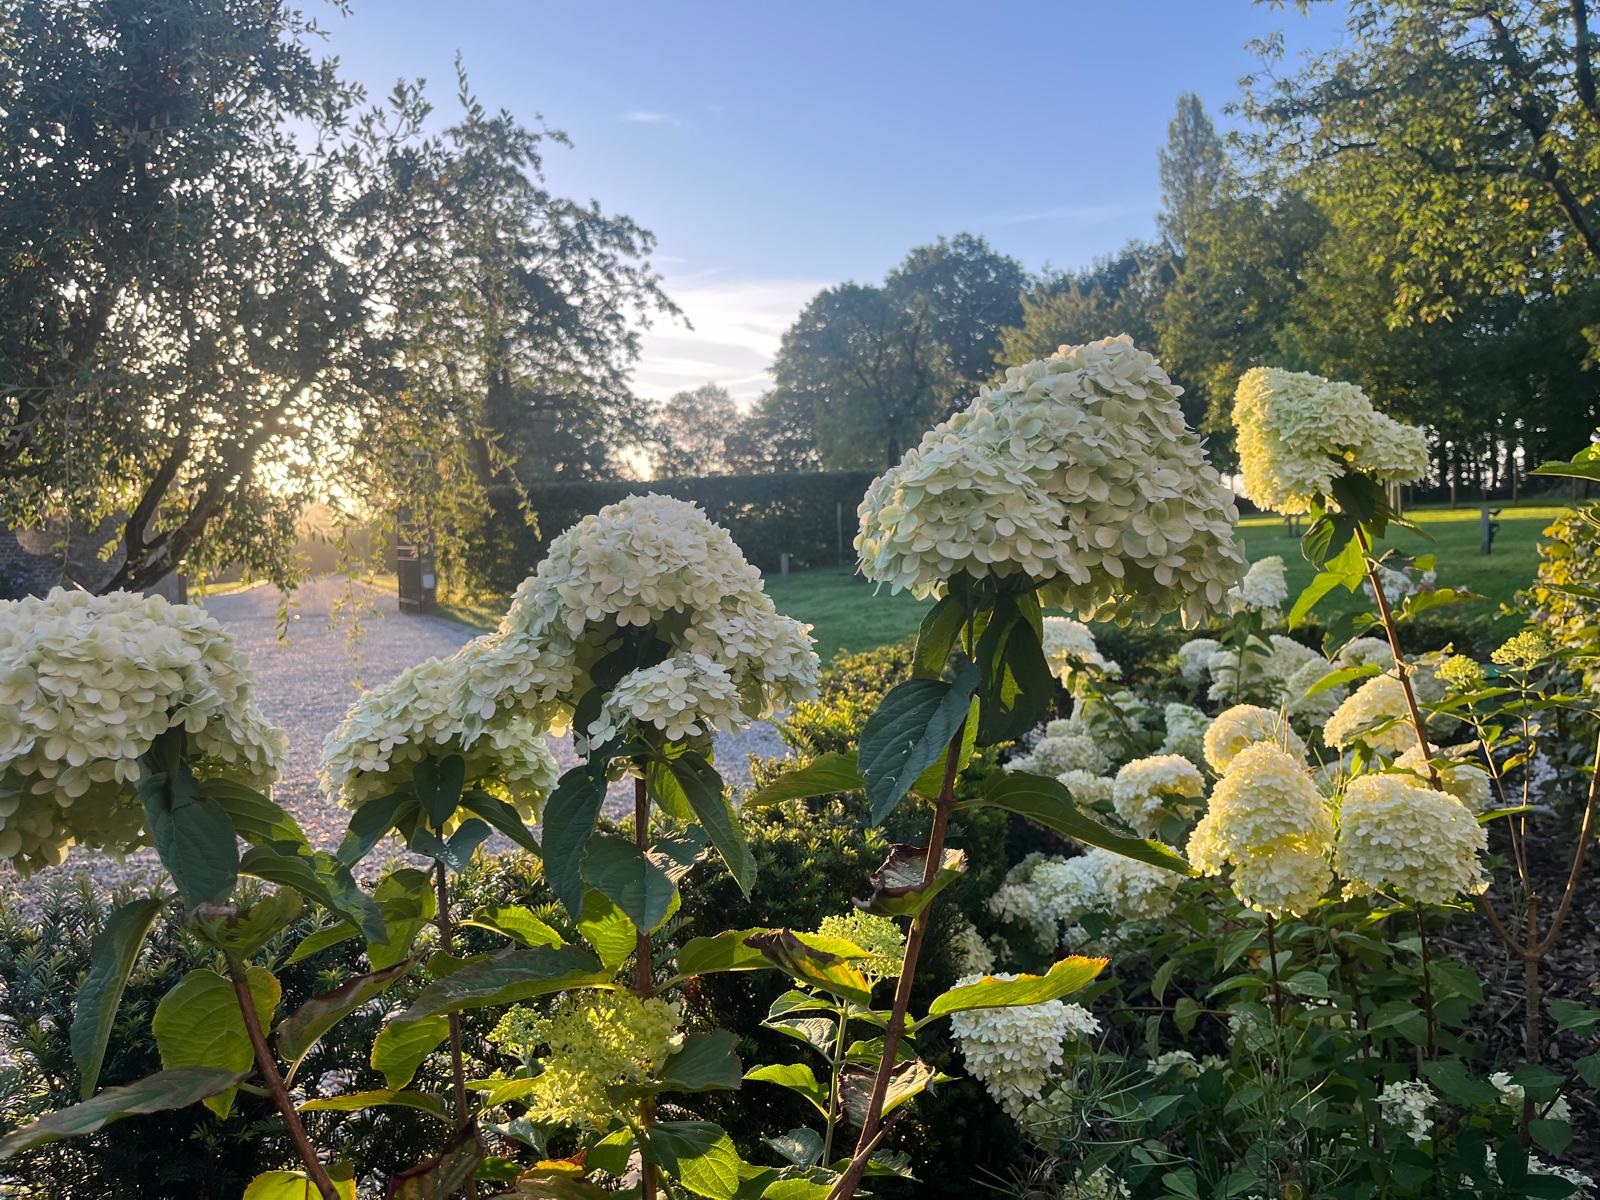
[339,635]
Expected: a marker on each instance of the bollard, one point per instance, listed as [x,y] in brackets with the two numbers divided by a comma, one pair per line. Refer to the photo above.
[783,565]
[1487,528]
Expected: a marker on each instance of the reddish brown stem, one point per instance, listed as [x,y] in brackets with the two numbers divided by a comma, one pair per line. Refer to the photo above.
[268,1067]
[1386,614]
[871,1125]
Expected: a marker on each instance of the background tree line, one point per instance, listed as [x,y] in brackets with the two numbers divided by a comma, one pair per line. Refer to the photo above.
[1417,211]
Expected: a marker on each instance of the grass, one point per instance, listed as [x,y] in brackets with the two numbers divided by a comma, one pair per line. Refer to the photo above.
[849,614]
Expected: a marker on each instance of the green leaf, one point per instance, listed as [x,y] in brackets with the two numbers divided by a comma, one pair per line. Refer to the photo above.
[705,1063]
[797,1077]
[401,1047]
[161,1092]
[727,951]
[570,816]
[301,1029]
[446,1174]
[1458,1084]
[456,851]
[897,887]
[193,836]
[698,1154]
[198,1024]
[320,878]
[822,776]
[608,929]
[1343,676]
[1065,977]
[1047,802]
[909,731]
[936,637]
[508,978]
[1421,602]
[257,819]
[633,882]
[437,783]
[1554,1136]
[708,796]
[368,824]
[111,958]
[810,965]
[929,783]
[906,1080]
[293,1185]
[502,816]
[802,1147]
[517,923]
[1571,1015]
[426,1102]
[244,931]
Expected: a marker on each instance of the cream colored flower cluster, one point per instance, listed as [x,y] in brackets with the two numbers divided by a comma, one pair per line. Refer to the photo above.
[1150,789]
[1263,589]
[1375,714]
[422,713]
[1077,472]
[1463,779]
[1069,648]
[88,683]
[1397,837]
[1088,790]
[1050,896]
[654,570]
[1194,658]
[1063,748]
[1015,1051]
[1269,823]
[1246,725]
[593,1041]
[1408,1105]
[1185,732]
[1299,432]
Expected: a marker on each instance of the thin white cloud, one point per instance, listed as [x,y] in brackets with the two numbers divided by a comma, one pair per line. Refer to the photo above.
[738,324]
[645,116]
[1083,214]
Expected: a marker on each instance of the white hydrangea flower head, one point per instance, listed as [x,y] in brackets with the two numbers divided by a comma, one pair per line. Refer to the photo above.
[1194,658]
[1315,709]
[1182,1063]
[1149,789]
[1237,674]
[1366,652]
[1269,823]
[1263,589]
[655,570]
[1247,725]
[1298,433]
[1056,754]
[1015,1051]
[1513,1094]
[1381,698]
[1185,734]
[1463,779]
[1408,1104]
[1076,472]
[1287,657]
[1100,1184]
[1088,790]
[420,714]
[1069,648]
[1397,837]
[88,683]
[973,955]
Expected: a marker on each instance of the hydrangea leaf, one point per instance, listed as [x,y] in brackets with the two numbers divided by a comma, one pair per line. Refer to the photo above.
[426,1102]
[698,1154]
[515,922]
[708,796]
[401,1047]
[570,816]
[508,978]
[294,1185]
[111,958]
[198,1024]
[178,1087]
[908,732]
[812,965]
[705,1063]
[906,1081]
[243,931]
[797,1077]
[638,886]
[822,776]
[1065,977]
[897,886]
[1047,802]
[301,1029]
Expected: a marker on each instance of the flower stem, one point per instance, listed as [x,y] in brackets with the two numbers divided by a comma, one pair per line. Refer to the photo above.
[458,1065]
[895,1030]
[1277,985]
[643,971]
[268,1067]
[1386,615]
[1427,986]
[834,1067]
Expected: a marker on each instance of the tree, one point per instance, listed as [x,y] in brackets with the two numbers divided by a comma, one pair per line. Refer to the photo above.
[777,436]
[868,372]
[965,293]
[693,431]
[1194,169]
[1472,126]
[226,290]
[1121,293]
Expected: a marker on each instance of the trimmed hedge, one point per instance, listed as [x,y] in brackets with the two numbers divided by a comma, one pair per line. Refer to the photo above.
[811,517]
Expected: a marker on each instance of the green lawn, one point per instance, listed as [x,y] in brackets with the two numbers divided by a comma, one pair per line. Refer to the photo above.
[849,616]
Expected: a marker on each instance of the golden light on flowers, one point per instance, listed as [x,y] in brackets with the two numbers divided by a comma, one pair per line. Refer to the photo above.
[1246,725]
[1015,1051]
[1466,781]
[88,684]
[1076,472]
[1149,789]
[1069,648]
[1398,837]
[422,713]
[1267,821]
[1362,716]
[713,651]
[1300,432]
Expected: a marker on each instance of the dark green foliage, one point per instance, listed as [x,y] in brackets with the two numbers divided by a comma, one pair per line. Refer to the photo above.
[810,517]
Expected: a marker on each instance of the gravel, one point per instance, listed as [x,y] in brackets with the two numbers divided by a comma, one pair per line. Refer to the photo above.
[312,655]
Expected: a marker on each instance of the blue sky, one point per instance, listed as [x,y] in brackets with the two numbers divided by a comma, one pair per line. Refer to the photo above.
[775,149]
